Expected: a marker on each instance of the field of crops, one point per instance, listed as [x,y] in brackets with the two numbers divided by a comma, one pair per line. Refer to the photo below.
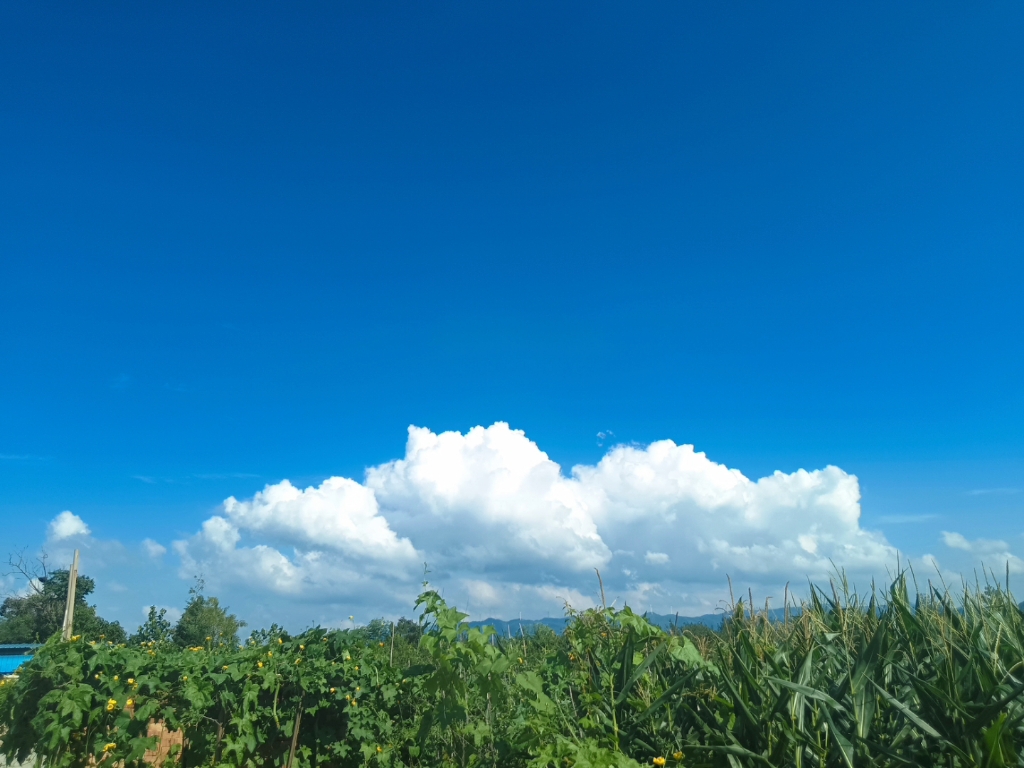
[902,679]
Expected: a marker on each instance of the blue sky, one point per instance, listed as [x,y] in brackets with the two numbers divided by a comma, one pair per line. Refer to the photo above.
[255,242]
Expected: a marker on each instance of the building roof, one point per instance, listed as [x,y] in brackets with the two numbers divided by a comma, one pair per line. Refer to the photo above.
[17,649]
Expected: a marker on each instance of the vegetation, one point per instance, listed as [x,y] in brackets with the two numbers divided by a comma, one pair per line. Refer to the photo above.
[35,616]
[900,679]
[203,620]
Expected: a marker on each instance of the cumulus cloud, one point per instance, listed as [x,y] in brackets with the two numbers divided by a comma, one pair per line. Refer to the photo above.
[65,525]
[504,528]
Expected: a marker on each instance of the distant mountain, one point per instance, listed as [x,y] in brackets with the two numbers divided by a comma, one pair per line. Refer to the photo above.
[711,620]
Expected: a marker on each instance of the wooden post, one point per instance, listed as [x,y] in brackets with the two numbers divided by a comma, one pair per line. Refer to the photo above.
[69,609]
[295,733]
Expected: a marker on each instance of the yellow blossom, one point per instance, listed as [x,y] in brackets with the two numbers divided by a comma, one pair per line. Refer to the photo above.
[280,641]
[270,653]
[297,661]
[677,755]
[116,678]
[109,747]
[75,638]
[131,681]
[111,705]
[225,667]
[302,647]
[333,690]
[379,748]
[658,761]
[130,703]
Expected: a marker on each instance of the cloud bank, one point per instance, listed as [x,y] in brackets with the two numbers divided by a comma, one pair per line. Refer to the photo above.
[504,529]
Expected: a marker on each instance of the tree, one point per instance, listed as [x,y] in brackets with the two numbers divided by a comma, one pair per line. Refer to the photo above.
[409,630]
[156,628]
[35,616]
[204,620]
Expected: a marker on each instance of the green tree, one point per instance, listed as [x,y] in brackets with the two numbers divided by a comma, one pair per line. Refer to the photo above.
[204,620]
[34,617]
[156,628]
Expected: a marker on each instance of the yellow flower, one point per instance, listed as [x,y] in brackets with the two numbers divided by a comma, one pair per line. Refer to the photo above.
[131,681]
[225,667]
[111,705]
[380,748]
[382,645]
[130,703]
[75,638]
[280,641]
[358,688]
[116,678]
[208,638]
[184,678]
[270,653]
[357,667]
[333,690]
[96,676]
[677,755]
[520,659]
[259,664]
[302,647]
[658,761]
[109,747]
[297,661]
[353,702]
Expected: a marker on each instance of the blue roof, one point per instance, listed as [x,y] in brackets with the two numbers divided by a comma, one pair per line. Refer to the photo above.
[17,649]
[9,664]
[13,655]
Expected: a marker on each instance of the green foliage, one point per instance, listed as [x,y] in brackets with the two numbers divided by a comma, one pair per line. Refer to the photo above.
[34,617]
[156,628]
[204,621]
[849,682]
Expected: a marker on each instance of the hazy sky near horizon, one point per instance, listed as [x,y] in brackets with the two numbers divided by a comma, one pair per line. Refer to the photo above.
[255,243]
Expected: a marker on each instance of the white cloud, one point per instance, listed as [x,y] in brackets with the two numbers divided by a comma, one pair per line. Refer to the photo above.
[956,541]
[503,528]
[992,553]
[65,525]
[153,549]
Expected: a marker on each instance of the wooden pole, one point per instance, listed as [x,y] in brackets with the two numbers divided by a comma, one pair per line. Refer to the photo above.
[295,733]
[392,643]
[69,609]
